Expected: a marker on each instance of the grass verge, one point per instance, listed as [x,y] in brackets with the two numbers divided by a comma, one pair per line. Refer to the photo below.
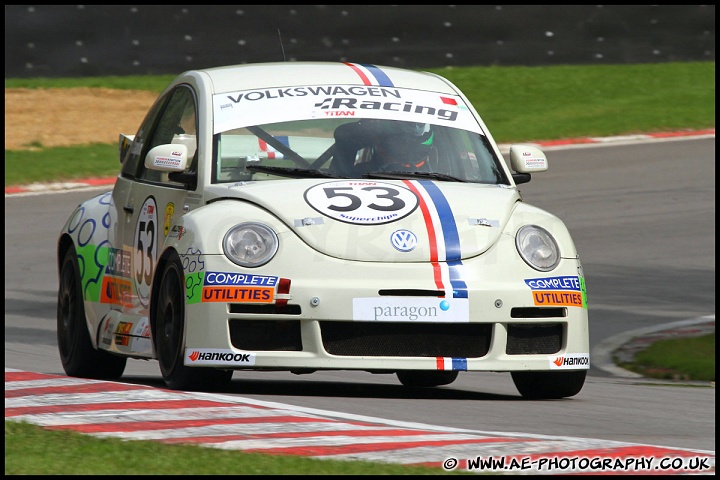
[518,104]
[31,450]
[690,358]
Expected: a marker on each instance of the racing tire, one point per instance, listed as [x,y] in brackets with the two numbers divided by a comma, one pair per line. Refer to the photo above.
[169,314]
[78,356]
[549,385]
[426,378]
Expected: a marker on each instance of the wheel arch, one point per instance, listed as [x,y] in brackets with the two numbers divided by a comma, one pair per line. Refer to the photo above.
[65,242]
[168,255]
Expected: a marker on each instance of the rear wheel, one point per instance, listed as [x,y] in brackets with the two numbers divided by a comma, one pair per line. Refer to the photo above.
[549,385]
[78,356]
[169,314]
[426,378]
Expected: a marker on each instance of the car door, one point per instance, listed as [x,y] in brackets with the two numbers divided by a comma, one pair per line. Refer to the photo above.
[147,203]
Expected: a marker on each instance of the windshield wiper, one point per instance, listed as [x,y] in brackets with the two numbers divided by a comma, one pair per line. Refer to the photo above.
[401,175]
[290,172]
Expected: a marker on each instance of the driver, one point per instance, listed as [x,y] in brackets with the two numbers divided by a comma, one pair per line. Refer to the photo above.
[391,146]
[186,130]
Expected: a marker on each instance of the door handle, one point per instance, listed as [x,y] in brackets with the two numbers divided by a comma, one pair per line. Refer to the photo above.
[128,209]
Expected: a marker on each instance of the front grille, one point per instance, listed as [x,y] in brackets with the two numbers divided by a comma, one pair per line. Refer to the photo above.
[534,338]
[269,335]
[384,339]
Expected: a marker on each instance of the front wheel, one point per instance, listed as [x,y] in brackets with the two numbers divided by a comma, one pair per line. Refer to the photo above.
[426,378]
[549,385]
[169,315]
[78,356]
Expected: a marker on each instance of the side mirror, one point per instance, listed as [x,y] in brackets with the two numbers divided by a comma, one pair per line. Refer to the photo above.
[171,157]
[525,160]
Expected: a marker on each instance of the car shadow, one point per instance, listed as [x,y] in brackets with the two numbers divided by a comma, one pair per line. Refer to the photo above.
[336,389]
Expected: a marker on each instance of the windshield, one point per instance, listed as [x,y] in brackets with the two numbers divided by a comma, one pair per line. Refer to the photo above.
[352,148]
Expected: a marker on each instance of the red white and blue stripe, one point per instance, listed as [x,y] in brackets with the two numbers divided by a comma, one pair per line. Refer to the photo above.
[443,237]
[371,74]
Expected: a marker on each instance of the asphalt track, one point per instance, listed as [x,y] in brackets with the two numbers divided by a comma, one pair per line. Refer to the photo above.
[139,412]
[128,410]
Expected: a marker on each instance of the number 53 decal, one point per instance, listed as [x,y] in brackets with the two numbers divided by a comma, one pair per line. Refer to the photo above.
[145,251]
[362,203]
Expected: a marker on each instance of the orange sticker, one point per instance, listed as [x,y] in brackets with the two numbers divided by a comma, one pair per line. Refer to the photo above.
[238,294]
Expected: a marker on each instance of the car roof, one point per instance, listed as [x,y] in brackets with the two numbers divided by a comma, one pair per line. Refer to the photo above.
[288,74]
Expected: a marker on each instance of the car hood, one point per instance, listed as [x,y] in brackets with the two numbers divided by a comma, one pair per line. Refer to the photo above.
[384,220]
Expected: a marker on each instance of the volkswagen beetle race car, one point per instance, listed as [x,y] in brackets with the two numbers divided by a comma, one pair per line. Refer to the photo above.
[311,216]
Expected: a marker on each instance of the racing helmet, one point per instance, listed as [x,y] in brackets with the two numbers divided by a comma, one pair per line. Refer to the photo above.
[404,142]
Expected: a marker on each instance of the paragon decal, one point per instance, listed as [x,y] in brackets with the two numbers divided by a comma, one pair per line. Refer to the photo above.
[563,291]
[411,309]
[218,357]
[570,361]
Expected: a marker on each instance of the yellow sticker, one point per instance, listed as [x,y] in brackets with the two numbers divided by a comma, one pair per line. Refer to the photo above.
[169,211]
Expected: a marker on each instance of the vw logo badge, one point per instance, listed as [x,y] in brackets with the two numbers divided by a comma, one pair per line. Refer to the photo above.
[403,240]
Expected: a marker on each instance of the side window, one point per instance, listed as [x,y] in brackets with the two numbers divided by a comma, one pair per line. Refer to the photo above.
[172,121]
[133,159]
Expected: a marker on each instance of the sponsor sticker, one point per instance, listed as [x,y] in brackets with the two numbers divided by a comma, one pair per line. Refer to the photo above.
[570,361]
[172,162]
[234,279]
[411,309]
[119,263]
[238,294]
[116,291]
[532,162]
[177,232]
[122,333]
[563,291]
[269,105]
[169,211]
[218,357]
[238,287]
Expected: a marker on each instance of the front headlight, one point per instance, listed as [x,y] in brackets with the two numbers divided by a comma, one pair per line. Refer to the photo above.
[250,244]
[537,247]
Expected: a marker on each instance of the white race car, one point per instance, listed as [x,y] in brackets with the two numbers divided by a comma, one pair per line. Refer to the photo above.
[310,216]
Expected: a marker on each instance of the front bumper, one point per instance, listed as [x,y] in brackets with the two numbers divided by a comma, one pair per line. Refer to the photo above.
[509,326]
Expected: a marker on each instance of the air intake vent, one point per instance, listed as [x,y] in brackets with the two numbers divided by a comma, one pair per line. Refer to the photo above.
[538,312]
[268,335]
[534,338]
[384,339]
